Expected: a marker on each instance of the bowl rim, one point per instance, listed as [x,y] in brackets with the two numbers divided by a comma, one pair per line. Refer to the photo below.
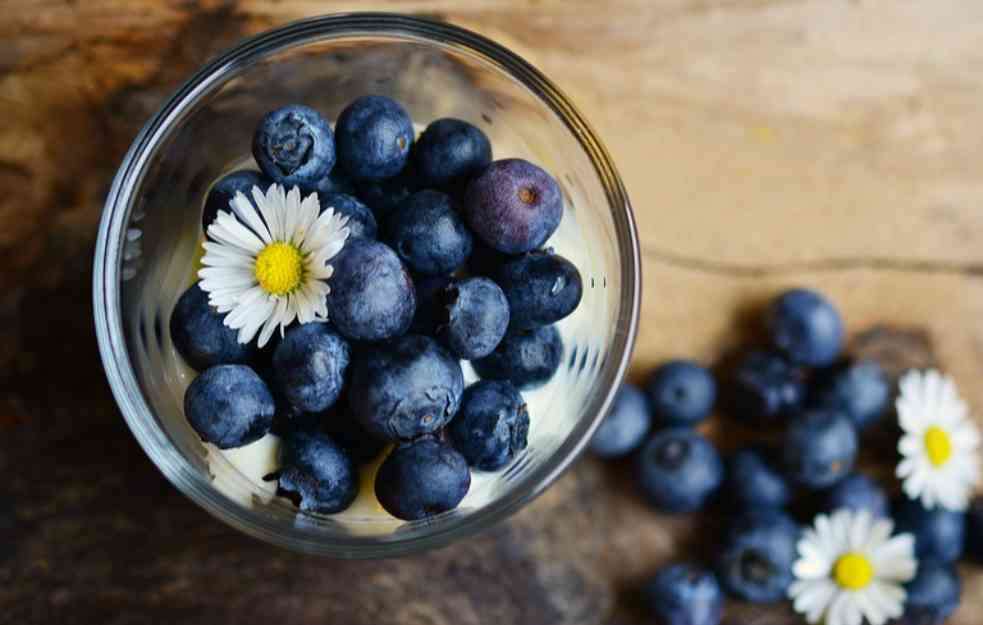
[109,256]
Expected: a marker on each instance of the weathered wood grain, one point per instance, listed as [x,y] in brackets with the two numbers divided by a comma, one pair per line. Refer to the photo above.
[765,143]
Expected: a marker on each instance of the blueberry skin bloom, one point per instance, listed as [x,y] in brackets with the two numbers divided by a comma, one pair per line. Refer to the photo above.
[681,392]
[294,145]
[473,317]
[858,492]
[229,406]
[933,595]
[765,386]
[806,327]
[316,473]
[225,190]
[820,448]
[624,428]
[450,152]
[492,425]
[374,134]
[679,470]
[541,287]
[754,482]
[309,365]
[684,594]
[372,296]
[428,234]
[528,359]
[201,337]
[361,221]
[405,388]
[861,390]
[940,534]
[422,478]
[513,206]
[756,558]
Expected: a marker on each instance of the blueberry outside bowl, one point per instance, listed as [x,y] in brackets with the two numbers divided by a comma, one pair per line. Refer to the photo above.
[150,230]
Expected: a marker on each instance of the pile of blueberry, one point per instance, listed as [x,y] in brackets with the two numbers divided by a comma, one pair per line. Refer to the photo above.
[802,389]
[444,263]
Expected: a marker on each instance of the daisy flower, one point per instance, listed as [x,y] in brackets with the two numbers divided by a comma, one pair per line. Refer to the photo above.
[850,568]
[267,264]
[940,461]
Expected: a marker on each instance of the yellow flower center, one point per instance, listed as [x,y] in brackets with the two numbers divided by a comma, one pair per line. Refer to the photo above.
[853,571]
[279,268]
[938,445]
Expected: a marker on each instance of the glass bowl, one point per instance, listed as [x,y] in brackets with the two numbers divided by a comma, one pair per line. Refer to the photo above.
[145,256]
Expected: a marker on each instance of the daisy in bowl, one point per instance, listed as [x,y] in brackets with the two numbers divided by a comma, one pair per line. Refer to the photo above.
[939,448]
[851,568]
[267,261]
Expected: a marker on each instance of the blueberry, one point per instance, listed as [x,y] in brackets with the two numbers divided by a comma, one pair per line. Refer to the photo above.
[226,188]
[361,221]
[429,303]
[820,448]
[472,317]
[316,473]
[346,431]
[756,558]
[374,134]
[527,358]
[513,206]
[450,152]
[422,478]
[492,425]
[384,196]
[860,390]
[372,296]
[405,388]
[806,327]
[684,594]
[933,595]
[681,393]
[229,406]
[625,427]
[939,533]
[486,261]
[428,234]
[974,529]
[541,287]
[765,385]
[335,182]
[679,470]
[294,145]
[858,492]
[309,366]
[201,337]
[754,482]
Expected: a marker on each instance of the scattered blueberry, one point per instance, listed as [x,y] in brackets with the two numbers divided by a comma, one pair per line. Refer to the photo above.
[429,303]
[933,595]
[974,529]
[316,473]
[201,336]
[374,135]
[472,317]
[754,482]
[684,594]
[939,533]
[229,406]
[422,478]
[860,390]
[294,145]
[527,358]
[679,470]
[541,287]
[372,296]
[384,196]
[309,366]
[858,492]
[681,393]
[820,448]
[513,206]
[806,327]
[450,152]
[406,387]
[624,428]
[491,426]
[226,188]
[427,233]
[361,221]
[756,558]
[765,385]
[335,182]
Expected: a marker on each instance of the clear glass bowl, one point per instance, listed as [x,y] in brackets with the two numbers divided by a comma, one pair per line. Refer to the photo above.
[150,232]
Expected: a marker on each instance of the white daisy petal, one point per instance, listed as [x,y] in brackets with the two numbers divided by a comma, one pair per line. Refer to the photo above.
[246,212]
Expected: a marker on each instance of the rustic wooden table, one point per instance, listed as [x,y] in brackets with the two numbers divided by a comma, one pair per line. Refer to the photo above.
[765,143]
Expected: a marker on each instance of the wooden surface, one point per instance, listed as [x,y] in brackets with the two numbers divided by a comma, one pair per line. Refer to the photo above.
[765,143]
